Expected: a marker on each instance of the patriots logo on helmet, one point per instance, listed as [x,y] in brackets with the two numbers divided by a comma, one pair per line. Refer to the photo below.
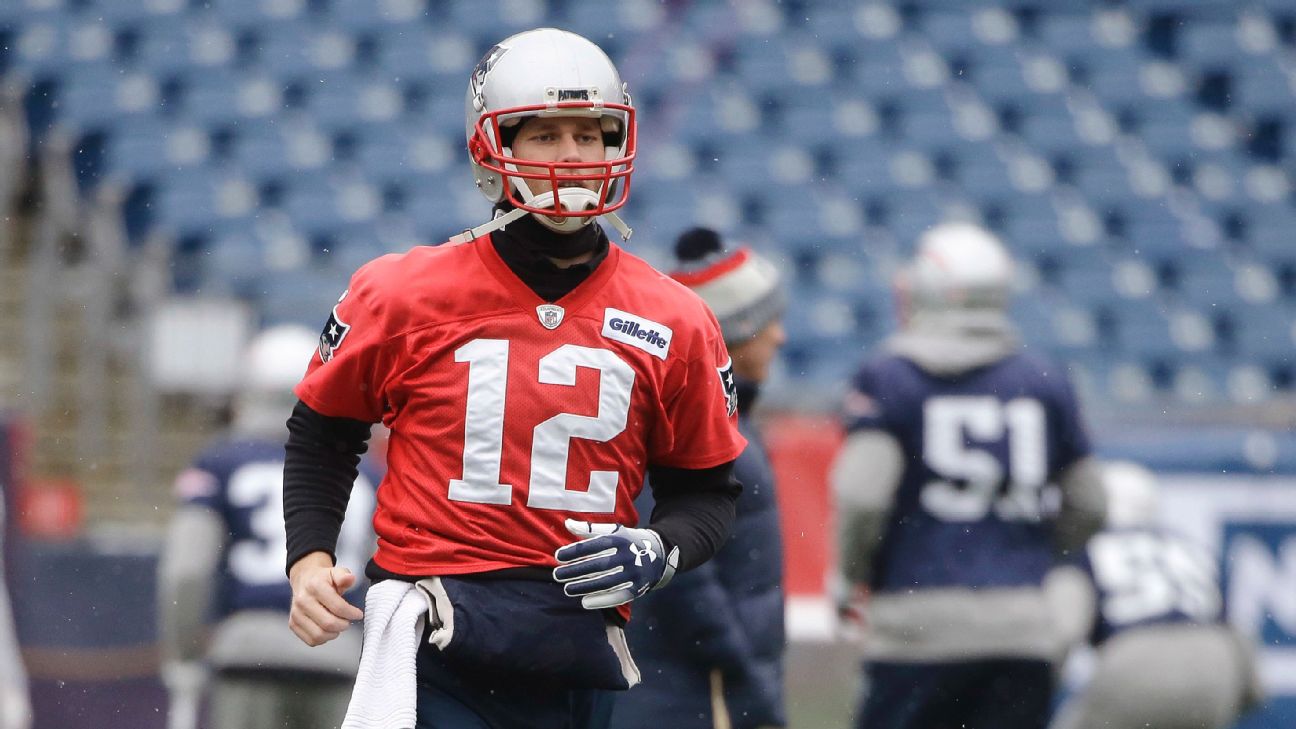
[484,66]
[730,387]
[335,330]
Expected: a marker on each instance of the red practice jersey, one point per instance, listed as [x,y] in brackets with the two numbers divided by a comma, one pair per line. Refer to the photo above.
[509,415]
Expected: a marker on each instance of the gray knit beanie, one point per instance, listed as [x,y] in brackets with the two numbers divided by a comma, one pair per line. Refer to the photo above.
[742,288]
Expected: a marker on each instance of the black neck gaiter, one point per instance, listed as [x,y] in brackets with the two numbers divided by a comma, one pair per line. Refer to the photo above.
[526,247]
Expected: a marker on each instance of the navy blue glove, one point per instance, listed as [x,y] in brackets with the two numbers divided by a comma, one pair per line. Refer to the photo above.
[612,564]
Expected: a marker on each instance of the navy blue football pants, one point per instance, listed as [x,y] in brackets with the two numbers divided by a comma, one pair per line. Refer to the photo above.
[455,699]
[991,694]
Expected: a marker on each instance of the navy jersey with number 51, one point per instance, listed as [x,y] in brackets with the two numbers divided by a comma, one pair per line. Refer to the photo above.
[977,500]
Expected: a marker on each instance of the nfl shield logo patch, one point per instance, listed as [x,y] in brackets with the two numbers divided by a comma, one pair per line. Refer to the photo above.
[551,315]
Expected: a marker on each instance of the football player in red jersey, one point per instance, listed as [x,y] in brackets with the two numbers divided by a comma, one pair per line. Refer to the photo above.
[531,374]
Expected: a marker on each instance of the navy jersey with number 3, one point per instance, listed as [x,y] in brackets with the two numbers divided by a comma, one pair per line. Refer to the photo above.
[242,480]
[976,503]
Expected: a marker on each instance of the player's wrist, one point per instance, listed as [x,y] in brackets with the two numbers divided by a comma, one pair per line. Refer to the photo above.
[670,563]
[308,562]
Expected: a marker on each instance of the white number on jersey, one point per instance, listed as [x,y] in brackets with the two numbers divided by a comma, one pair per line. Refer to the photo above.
[970,481]
[1145,575]
[551,441]
[260,561]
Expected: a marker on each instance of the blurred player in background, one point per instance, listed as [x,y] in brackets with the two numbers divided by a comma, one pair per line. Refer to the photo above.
[15,702]
[223,564]
[1149,601]
[530,373]
[965,467]
[710,646]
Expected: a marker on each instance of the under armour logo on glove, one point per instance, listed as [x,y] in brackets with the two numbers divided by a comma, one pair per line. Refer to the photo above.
[645,551]
[607,567]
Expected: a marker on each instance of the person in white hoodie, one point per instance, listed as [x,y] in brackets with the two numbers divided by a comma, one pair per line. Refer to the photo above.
[966,468]
[223,594]
[1148,600]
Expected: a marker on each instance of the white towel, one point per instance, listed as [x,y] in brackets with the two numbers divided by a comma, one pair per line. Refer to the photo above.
[385,693]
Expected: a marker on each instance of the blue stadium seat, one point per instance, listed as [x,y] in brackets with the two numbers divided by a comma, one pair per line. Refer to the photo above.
[321,205]
[233,260]
[279,147]
[979,170]
[1051,133]
[149,149]
[1116,84]
[1212,290]
[1066,33]
[1088,286]
[1000,81]
[435,212]
[793,217]
[864,167]
[362,16]
[105,97]
[1143,332]
[293,51]
[1271,228]
[1261,87]
[879,70]
[909,214]
[763,64]
[224,96]
[179,44]
[1206,44]
[420,53]
[302,297]
[489,23]
[200,201]
[928,129]
[257,13]
[1264,333]
[341,100]
[833,24]
[406,154]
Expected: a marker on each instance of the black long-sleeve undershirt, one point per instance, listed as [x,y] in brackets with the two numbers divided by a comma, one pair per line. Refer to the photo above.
[695,508]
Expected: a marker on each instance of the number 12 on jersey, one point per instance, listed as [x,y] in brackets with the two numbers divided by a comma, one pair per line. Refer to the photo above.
[551,440]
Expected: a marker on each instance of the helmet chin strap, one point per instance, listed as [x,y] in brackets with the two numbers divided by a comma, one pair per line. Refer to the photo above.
[569,198]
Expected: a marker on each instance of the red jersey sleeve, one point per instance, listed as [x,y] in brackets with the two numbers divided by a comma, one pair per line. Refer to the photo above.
[702,412]
[346,378]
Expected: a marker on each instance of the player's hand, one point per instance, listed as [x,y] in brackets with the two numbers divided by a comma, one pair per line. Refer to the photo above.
[319,613]
[612,564]
[852,610]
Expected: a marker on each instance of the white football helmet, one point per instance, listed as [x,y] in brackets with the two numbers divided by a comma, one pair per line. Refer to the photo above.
[1131,494]
[550,72]
[958,267]
[274,361]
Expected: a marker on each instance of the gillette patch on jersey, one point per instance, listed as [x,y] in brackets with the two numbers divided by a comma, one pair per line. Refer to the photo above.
[637,331]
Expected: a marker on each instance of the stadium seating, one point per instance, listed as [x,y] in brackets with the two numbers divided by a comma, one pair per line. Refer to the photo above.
[1139,169]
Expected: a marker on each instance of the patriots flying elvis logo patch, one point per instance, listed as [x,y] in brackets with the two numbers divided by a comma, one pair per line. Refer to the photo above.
[335,330]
